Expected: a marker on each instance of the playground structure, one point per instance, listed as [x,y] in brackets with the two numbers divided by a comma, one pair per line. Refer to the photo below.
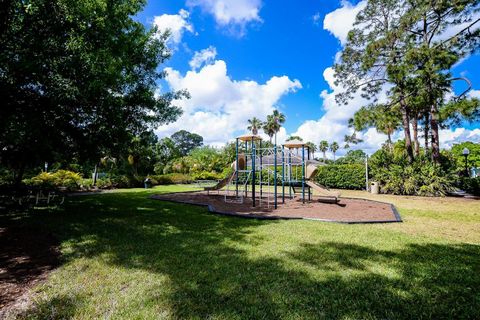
[257,169]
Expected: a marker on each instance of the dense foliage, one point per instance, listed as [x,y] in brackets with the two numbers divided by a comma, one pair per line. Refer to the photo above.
[61,179]
[342,176]
[473,158]
[397,175]
[77,81]
[352,156]
[470,185]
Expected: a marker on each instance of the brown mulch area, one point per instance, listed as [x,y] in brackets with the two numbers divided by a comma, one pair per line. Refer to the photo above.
[26,257]
[348,210]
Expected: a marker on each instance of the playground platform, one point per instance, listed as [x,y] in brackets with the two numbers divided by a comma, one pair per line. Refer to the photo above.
[348,210]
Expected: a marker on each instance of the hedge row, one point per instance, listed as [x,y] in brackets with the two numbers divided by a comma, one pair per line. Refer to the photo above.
[342,176]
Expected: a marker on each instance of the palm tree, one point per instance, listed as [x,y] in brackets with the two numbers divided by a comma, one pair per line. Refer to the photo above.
[311,147]
[323,147]
[254,124]
[334,147]
[351,139]
[269,128]
[278,119]
[291,138]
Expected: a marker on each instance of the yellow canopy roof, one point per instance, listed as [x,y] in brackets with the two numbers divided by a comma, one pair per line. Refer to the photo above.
[249,137]
[294,144]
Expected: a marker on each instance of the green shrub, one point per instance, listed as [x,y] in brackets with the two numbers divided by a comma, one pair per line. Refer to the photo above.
[342,176]
[206,175]
[422,177]
[120,181]
[60,179]
[171,178]
[86,184]
[470,185]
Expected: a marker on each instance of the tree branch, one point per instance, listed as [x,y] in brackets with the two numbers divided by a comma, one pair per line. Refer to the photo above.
[466,91]
[458,33]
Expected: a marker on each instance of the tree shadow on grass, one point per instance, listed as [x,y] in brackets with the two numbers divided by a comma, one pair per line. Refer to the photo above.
[57,307]
[211,274]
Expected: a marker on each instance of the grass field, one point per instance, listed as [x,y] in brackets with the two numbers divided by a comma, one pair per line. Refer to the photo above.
[128,257]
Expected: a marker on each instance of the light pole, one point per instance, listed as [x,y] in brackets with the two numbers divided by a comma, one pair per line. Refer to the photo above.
[465,153]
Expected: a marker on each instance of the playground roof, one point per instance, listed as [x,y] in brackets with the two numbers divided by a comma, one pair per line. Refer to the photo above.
[294,144]
[249,137]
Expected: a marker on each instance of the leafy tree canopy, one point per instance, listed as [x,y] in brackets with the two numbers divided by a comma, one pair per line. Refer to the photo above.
[77,79]
[352,156]
[473,157]
[186,141]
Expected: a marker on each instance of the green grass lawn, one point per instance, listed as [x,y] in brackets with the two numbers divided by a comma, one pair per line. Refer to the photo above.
[128,257]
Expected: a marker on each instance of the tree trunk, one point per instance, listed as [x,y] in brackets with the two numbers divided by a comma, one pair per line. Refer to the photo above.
[95,173]
[324,157]
[18,176]
[415,135]
[435,137]
[389,141]
[406,130]
[426,130]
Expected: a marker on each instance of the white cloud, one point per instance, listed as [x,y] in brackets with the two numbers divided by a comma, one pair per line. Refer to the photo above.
[340,21]
[450,137]
[281,136]
[176,24]
[474,94]
[230,12]
[205,56]
[333,125]
[220,106]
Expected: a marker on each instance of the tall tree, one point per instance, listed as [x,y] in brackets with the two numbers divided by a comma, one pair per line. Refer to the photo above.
[371,58]
[323,147]
[77,79]
[269,128]
[254,124]
[334,148]
[432,56]
[403,44]
[186,141]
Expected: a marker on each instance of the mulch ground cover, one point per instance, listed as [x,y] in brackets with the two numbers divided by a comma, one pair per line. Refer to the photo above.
[348,210]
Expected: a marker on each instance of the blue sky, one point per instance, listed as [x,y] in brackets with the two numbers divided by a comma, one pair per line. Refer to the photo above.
[263,54]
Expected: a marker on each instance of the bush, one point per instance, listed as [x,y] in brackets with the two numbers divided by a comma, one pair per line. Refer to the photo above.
[171,178]
[61,179]
[422,177]
[120,181]
[470,185]
[206,175]
[342,176]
